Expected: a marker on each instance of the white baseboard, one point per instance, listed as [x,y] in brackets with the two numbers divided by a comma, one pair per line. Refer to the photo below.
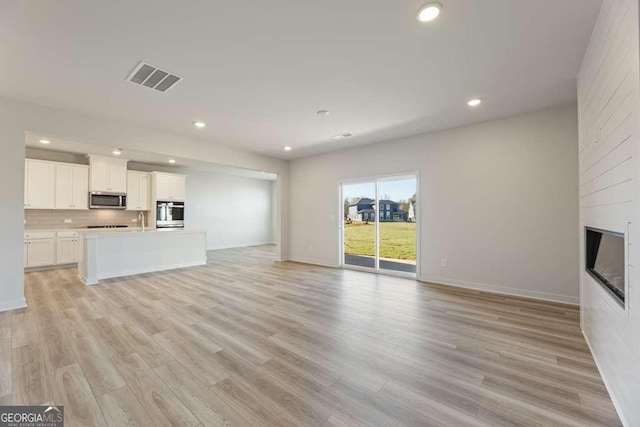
[544,296]
[616,404]
[502,290]
[311,261]
[13,304]
[244,245]
[88,281]
[50,267]
[144,270]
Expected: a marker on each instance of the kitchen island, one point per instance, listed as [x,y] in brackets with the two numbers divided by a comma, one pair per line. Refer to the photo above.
[117,253]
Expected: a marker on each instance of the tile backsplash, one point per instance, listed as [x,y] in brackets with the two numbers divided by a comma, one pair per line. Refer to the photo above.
[55,219]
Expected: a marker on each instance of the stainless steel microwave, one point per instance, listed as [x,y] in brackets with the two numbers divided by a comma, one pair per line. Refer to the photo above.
[101,200]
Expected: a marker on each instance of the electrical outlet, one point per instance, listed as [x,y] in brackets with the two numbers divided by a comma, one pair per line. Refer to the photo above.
[134,219]
[68,221]
[444,263]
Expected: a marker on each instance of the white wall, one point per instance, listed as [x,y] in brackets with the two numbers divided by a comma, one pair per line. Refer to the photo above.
[498,200]
[12,205]
[235,211]
[609,106]
[17,117]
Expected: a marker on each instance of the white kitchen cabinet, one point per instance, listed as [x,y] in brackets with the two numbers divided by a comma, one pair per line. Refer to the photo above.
[98,174]
[39,187]
[40,249]
[169,186]
[138,191]
[50,248]
[118,177]
[107,174]
[66,250]
[144,191]
[72,186]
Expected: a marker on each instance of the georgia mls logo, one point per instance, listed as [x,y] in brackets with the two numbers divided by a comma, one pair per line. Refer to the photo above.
[53,414]
[31,416]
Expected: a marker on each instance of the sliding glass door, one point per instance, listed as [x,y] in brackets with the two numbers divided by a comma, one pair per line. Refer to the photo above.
[380,224]
[397,230]
[360,224]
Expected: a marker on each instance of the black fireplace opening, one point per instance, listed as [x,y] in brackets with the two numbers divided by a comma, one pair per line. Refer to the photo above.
[605,260]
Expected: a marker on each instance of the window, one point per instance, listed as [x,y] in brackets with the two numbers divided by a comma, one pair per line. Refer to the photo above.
[381,215]
[388,214]
[388,207]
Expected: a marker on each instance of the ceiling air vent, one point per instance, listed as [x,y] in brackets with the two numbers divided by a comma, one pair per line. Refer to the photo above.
[153,77]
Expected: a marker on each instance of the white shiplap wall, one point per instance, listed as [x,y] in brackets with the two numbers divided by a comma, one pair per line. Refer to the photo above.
[608,110]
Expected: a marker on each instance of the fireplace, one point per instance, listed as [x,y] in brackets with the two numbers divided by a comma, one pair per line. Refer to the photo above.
[605,261]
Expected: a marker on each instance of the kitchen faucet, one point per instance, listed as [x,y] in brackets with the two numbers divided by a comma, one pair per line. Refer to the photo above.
[141,219]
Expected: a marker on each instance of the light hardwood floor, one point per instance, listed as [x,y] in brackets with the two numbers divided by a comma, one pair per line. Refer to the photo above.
[246,341]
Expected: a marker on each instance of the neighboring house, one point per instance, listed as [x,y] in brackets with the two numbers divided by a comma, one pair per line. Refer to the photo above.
[390,211]
[411,215]
[363,210]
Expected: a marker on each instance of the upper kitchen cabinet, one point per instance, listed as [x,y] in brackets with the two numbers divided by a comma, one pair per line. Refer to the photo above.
[39,188]
[72,186]
[138,191]
[107,174]
[168,186]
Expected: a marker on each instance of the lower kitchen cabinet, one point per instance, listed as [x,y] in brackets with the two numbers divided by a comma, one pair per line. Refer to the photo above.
[40,252]
[67,250]
[50,248]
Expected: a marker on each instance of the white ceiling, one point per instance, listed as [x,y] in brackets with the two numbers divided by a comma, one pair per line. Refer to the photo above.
[256,72]
[147,160]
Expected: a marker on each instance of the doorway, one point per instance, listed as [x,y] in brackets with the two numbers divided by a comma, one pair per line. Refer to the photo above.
[379,230]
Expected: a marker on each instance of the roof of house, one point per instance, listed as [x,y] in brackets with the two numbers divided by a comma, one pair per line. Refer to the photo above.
[368,201]
[363,200]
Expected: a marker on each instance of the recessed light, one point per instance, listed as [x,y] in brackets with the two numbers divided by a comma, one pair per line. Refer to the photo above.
[287,148]
[172,161]
[199,124]
[343,135]
[429,12]
[117,151]
[474,102]
[44,141]
[323,112]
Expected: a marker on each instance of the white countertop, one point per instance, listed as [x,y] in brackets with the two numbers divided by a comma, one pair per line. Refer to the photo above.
[135,231]
[54,230]
[113,231]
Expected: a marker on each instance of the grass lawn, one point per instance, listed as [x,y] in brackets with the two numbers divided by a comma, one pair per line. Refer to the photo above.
[397,239]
